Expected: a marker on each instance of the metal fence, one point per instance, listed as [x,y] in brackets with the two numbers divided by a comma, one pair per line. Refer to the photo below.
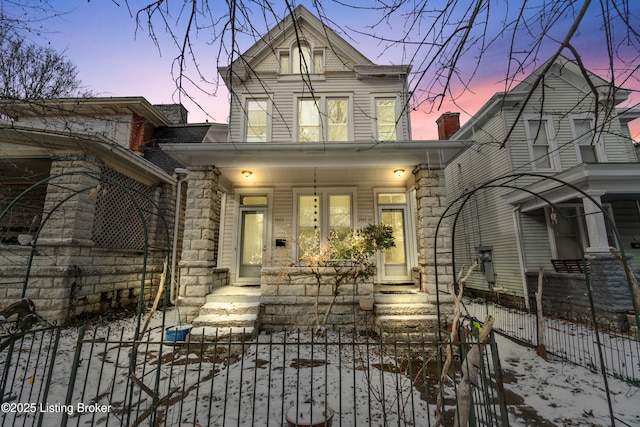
[572,337]
[100,377]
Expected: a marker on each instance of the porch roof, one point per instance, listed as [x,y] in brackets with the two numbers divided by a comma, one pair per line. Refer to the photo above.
[344,162]
[595,179]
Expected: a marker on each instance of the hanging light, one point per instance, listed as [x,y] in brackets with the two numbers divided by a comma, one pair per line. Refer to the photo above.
[399,173]
[247,173]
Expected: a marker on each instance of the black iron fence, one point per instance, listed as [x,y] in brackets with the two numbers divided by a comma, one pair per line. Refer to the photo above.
[101,377]
[572,337]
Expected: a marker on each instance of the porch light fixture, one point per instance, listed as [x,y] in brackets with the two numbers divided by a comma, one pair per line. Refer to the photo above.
[247,174]
[399,172]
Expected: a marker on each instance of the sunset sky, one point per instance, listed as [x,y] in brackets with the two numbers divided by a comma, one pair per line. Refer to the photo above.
[100,38]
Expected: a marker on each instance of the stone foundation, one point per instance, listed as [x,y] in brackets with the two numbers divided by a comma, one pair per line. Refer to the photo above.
[288,301]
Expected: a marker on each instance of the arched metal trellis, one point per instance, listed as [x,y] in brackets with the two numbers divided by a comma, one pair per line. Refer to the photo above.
[132,195]
[456,207]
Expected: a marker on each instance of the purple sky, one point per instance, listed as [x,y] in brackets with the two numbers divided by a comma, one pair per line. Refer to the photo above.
[100,38]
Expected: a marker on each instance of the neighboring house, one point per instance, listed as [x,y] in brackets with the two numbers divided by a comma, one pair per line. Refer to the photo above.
[513,229]
[89,255]
[319,140]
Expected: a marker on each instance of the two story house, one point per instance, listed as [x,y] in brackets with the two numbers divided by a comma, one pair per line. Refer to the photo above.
[319,141]
[565,161]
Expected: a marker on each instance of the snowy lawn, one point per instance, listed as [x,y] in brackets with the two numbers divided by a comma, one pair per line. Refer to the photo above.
[361,382]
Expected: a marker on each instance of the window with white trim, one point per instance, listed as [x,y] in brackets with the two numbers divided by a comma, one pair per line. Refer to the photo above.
[587,147]
[323,214]
[386,119]
[257,115]
[324,119]
[542,145]
[301,58]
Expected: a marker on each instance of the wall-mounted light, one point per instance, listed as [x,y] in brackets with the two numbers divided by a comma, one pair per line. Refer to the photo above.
[247,174]
[399,173]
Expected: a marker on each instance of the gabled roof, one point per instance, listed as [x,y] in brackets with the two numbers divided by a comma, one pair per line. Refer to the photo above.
[563,68]
[299,18]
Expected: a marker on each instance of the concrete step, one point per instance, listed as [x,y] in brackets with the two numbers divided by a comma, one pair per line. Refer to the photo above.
[229,310]
[405,309]
[407,327]
[223,308]
[240,294]
[402,297]
[226,321]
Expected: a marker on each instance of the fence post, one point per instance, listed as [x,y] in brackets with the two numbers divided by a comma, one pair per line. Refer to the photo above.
[74,372]
[497,367]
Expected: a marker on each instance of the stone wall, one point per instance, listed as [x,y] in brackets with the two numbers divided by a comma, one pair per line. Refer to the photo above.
[567,292]
[288,300]
[66,274]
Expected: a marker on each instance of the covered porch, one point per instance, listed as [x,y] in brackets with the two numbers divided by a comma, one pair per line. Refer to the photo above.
[581,235]
[248,204]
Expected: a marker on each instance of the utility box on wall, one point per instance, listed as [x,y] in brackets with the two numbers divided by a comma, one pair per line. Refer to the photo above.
[485,260]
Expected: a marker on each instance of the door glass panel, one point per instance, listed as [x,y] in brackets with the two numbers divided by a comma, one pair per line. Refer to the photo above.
[395,260]
[340,215]
[251,245]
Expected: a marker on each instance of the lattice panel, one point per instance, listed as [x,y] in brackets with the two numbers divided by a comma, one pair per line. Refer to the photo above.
[117,223]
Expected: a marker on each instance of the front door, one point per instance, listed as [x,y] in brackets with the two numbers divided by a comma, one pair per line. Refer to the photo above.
[395,266]
[252,244]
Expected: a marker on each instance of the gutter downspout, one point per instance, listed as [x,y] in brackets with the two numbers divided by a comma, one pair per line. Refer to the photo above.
[181,175]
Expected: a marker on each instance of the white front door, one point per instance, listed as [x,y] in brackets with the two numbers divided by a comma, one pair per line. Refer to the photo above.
[252,243]
[395,265]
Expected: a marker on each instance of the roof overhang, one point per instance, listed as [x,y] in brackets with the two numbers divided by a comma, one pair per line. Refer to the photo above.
[344,163]
[596,179]
[24,142]
[84,106]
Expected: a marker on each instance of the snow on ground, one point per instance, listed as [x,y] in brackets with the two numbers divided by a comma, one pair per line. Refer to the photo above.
[204,386]
[556,393]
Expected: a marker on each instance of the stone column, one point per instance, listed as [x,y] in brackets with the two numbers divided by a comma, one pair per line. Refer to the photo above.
[71,200]
[65,239]
[431,203]
[198,262]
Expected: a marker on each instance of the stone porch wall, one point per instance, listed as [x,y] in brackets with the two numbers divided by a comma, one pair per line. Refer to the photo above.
[69,275]
[106,279]
[567,292]
[288,300]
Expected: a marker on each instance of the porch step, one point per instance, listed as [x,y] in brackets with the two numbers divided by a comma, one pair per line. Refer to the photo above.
[402,297]
[399,321]
[405,309]
[229,310]
[400,328]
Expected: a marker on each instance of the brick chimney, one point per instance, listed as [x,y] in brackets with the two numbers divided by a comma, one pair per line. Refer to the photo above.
[448,123]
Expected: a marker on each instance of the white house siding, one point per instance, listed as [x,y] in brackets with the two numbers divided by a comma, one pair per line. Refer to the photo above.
[487,220]
[291,87]
[560,100]
[533,236]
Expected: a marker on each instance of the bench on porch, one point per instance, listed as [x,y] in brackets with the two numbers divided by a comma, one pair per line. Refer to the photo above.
[569,265]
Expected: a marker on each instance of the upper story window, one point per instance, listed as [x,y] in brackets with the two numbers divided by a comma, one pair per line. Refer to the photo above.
[542,145]
[257,123]
[386,119]
[301,59]
[324,119]
[588,148]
